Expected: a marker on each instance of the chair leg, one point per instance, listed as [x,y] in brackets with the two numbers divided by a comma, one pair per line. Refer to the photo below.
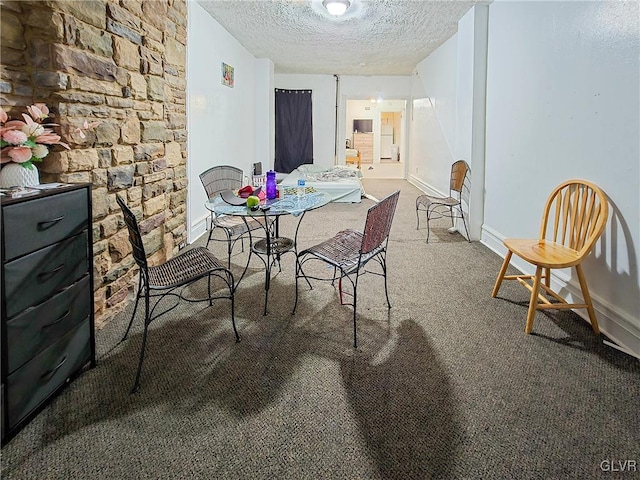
[295,303]
[147,321]
[383,263]
[587,300]
[464,222]
[503,270]
[417,216]
[428,226]
[533,302]
[229,248]
[355,302]
[210,231]
[233,320]
[135,308]
[233,309]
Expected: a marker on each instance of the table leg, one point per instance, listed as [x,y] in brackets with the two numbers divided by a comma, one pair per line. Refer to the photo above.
[269,262]
[246,266]
[295,248]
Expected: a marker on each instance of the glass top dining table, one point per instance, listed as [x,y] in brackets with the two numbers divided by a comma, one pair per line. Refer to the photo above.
[270,248]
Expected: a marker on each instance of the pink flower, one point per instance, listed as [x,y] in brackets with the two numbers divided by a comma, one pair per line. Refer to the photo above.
[14,137]
[28,120]
[14,125]
[50,138]
[33,130]
[4,155]
[39,111]
[80,132]
[86,126]
[20,154]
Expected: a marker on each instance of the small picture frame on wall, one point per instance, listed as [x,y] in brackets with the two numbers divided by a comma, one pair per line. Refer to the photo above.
[227,75]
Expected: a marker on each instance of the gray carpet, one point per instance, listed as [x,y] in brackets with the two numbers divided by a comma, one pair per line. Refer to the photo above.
[444,385]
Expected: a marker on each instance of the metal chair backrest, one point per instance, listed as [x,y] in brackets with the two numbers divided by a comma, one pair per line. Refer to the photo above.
[378,223]
[459,172]
[575,215]
[134,236]
[220,178]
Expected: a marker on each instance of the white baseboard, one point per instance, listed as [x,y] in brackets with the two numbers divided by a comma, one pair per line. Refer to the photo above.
[617,325]
[198,228]
[426,188]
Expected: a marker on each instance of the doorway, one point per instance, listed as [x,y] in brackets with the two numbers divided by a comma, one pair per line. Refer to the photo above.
[376,128]
[390,125]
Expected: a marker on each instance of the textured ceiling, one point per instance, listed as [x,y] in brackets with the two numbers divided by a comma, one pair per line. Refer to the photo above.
[374,37]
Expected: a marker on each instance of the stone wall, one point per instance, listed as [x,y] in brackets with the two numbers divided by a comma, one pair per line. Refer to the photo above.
[122,63]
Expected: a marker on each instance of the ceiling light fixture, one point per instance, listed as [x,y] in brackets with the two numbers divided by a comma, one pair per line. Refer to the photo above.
[336,7]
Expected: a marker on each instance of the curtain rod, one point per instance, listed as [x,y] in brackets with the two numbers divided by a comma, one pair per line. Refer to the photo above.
[278,90]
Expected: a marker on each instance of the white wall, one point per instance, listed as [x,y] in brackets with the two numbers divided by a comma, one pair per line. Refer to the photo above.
[264,119]
[471,109]
[221,120]
[435,119]
[453,80]
[563,102]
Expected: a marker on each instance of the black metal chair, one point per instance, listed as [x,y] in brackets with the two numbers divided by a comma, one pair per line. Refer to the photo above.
[216,180]
[451,206]
[349,251]
[162,280]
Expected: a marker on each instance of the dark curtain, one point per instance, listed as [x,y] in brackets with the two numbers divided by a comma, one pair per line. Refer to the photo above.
[294,132]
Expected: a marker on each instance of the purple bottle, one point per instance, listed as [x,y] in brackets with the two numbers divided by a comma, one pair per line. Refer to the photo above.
[272,191]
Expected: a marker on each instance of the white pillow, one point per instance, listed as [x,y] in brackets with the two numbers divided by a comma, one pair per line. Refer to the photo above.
[310,168]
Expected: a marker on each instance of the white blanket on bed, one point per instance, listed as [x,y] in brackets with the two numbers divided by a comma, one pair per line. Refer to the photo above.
[341,182]
[332,174]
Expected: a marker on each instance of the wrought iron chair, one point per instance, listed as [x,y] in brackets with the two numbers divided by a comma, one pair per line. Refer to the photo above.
[162,280]
[451,206]
[216,180]
[349,251]
[574,217]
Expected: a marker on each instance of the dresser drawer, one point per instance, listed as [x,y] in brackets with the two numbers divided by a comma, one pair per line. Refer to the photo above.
[29,226]
[35,277]
[32,383]
[41,326]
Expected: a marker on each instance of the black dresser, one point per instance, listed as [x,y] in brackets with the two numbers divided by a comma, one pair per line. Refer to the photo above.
[47,298]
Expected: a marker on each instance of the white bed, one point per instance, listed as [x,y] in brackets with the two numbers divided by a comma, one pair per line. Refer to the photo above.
[341,182]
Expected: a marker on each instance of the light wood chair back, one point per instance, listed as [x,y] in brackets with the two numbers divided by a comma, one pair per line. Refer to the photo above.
[575,216]
[458,173]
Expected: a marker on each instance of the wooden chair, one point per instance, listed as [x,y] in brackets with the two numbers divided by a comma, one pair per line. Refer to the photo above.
[451,206]
[216,180]
[163,280]
[573,219]
[353,157]
[349,251]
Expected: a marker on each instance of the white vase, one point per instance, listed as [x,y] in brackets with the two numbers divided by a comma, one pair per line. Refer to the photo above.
[15,175]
